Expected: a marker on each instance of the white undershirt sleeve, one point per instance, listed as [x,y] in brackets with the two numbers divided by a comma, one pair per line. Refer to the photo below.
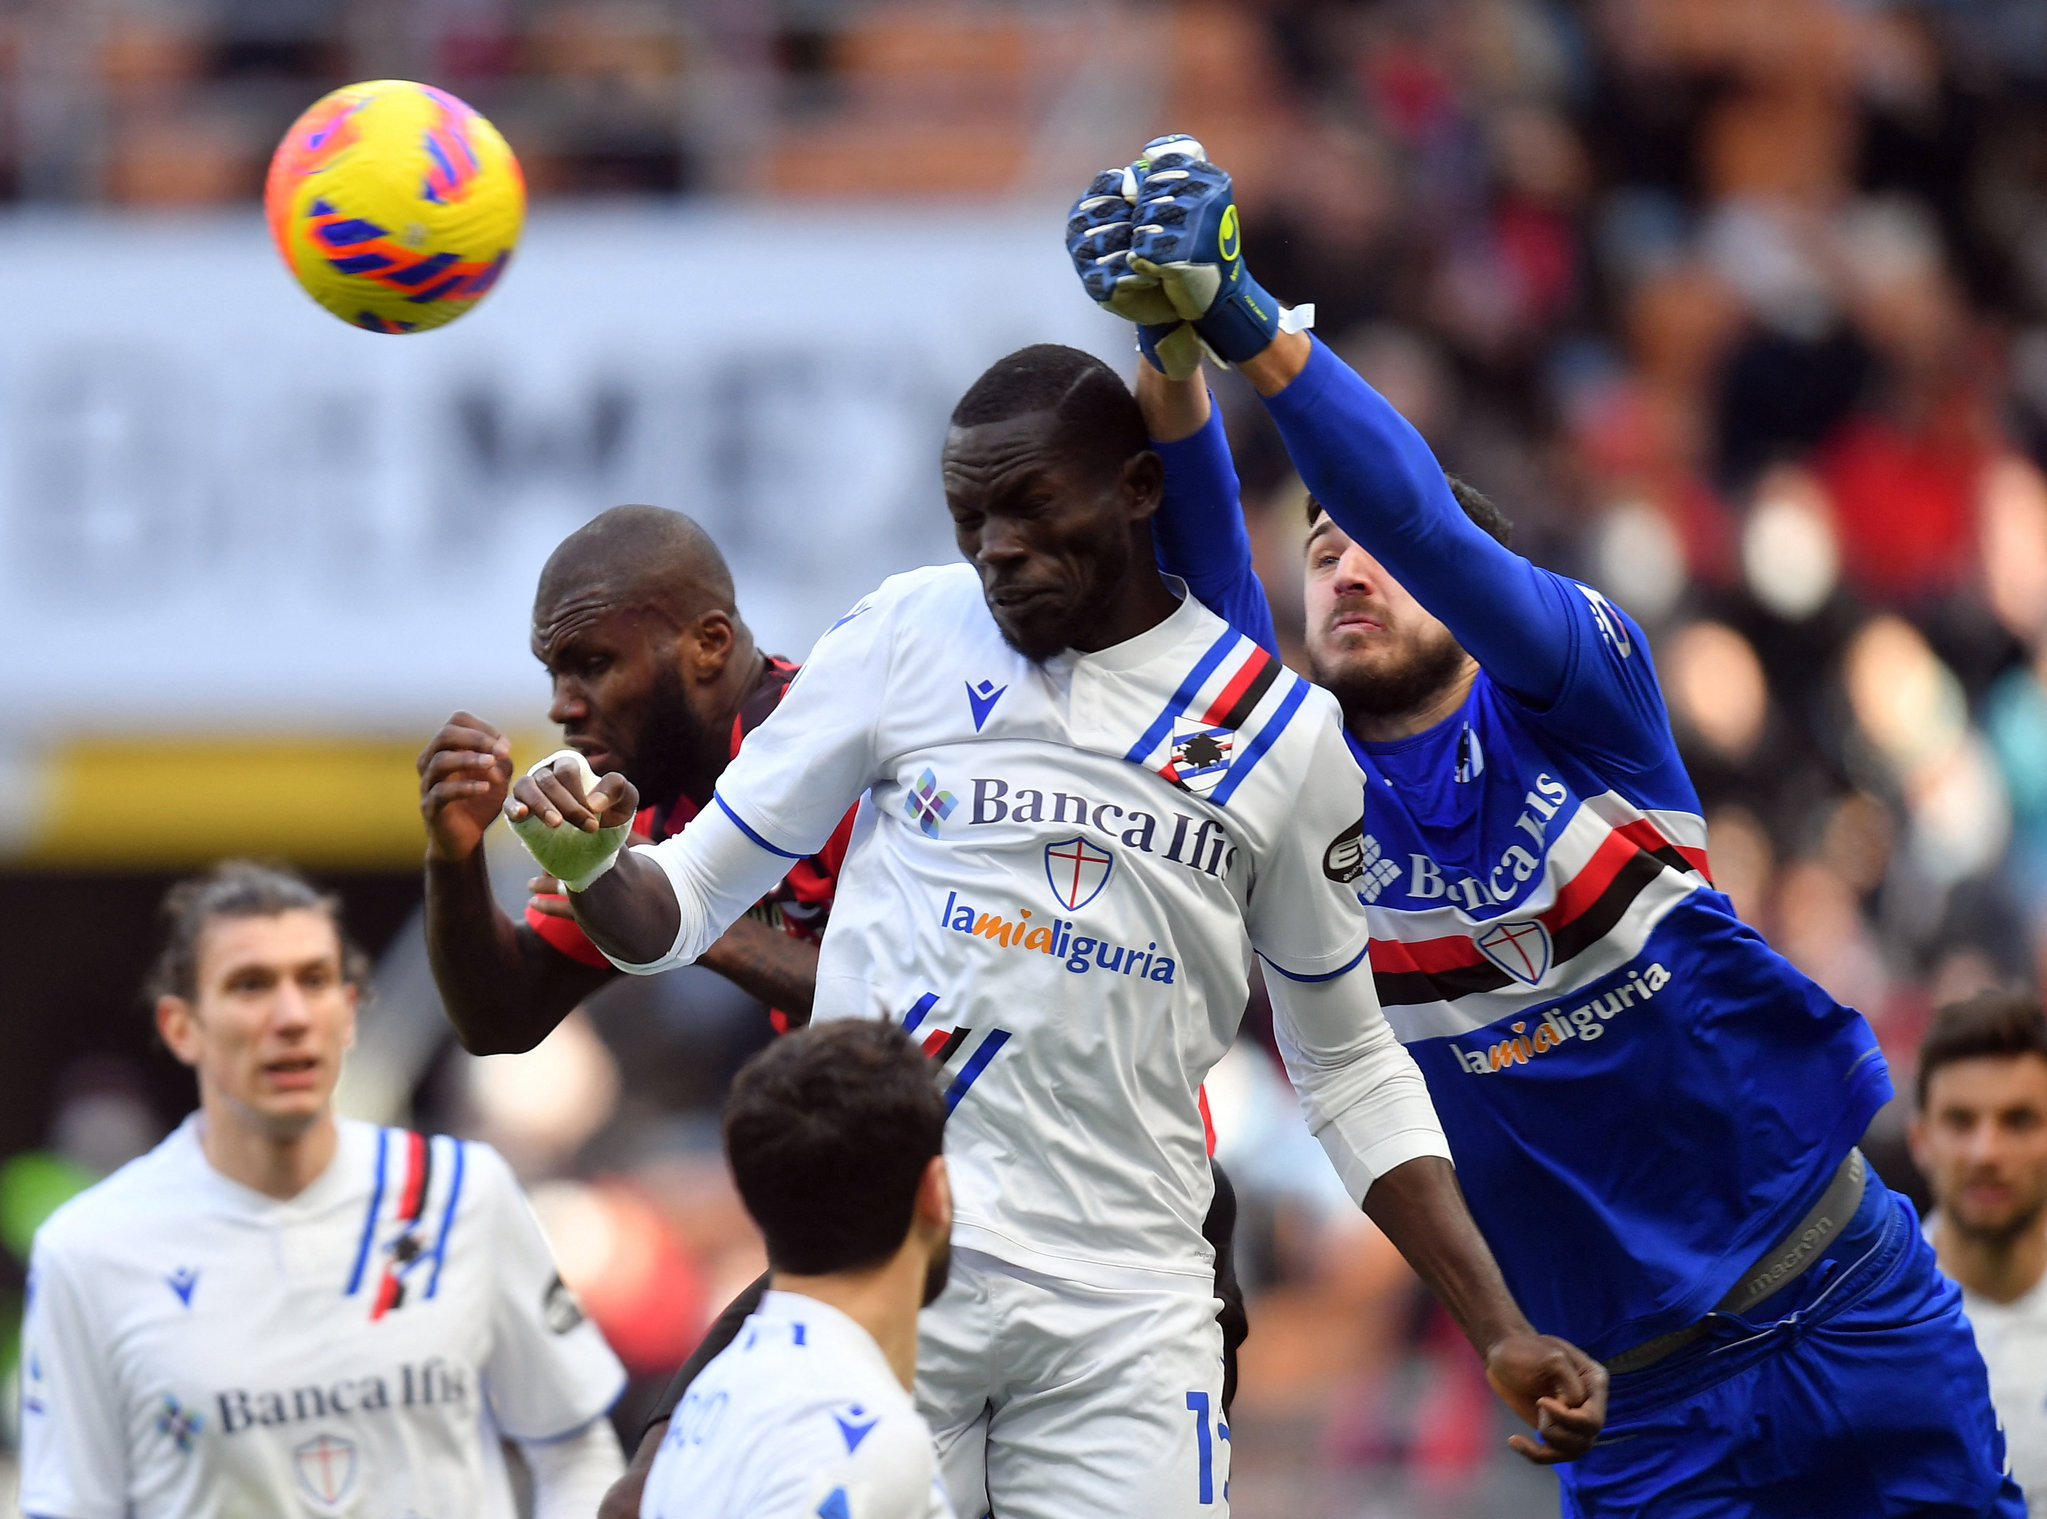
[571,1475]
[1361,1093]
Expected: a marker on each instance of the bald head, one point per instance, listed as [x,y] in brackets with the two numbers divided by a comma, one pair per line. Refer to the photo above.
[642,557]
[635,623]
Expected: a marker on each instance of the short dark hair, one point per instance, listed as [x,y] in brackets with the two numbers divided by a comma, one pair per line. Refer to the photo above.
[237,889]
[1477,506]
[829,1131]
[1097,415]
[1997,1023]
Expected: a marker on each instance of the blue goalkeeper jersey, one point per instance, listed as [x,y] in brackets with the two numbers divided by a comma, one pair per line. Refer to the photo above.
[1640,1093]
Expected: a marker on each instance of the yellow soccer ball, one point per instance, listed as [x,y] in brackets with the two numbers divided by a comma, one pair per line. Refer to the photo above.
[395,205]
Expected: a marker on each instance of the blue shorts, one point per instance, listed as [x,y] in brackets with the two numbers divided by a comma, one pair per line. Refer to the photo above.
[1856,1392]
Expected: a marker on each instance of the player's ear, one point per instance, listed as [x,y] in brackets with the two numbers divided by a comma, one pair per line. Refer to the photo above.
[708,645]
[1915,1140]
[1143,484]
[178,1026]
[933,1211]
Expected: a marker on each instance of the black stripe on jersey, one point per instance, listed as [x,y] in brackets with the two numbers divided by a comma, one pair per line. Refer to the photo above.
[1597,921]
[1240,713]
[1408,988]
[946,1050]
[1405,988]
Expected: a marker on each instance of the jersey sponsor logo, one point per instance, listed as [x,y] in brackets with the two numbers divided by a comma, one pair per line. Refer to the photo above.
[927,806]
[1201,844]
[1079,952]
[1556,1028]
[179,1424]
[1521,949]
[326,1466]
[1354,855]
[182,1281]
[981,700]
[432,1383]
[559,1309]
[855,1424]
[1077,871]
[1513,869]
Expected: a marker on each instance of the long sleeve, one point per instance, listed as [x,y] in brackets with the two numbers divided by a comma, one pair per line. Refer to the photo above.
[1361,1093]
[1379,482]
[1199,532]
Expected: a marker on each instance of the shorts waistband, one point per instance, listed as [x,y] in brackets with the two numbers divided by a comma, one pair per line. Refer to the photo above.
[1777,1268]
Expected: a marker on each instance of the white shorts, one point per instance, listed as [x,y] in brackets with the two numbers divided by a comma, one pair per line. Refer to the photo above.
[1053,1400]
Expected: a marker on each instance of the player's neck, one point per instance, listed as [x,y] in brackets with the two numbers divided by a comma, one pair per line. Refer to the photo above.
[1140,604]
[2003,1268]
[277,1164]
[1389,727]
[883,1300]
[742,675]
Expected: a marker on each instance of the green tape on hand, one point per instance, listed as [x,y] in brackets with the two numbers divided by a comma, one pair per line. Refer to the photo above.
[567,853]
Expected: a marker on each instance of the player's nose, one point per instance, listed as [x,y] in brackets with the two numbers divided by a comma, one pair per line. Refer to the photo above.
[568,705]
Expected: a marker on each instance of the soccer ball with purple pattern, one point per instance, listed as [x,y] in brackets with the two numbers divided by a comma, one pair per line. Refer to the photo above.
[395,205]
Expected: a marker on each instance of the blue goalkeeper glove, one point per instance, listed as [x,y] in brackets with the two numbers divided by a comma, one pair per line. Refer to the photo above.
[1186,235]
[1098,241]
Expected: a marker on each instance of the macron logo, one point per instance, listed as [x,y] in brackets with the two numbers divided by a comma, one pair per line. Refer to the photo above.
[982,700]
[182,1281]
[854,1431]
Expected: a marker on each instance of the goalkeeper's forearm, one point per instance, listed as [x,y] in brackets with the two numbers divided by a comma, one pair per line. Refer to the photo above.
[664,905]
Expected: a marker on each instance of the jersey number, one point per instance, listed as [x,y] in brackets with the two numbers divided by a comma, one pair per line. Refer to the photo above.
[1204,1446]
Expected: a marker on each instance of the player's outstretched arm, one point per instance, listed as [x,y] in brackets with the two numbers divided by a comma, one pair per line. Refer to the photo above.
[1549,1382]
[504,987]
[1200,527]
[1369,468]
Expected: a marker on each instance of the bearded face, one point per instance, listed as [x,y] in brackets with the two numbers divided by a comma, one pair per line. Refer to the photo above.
[1369,642]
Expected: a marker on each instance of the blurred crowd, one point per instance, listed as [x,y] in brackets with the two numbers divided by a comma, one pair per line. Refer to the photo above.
[1737,307]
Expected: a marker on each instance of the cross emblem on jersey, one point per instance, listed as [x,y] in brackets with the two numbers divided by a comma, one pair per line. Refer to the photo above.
[1077,871]
[1520,949]
[326,1467]
[927,806]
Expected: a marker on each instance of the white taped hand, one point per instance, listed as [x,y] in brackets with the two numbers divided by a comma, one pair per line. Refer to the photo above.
[567,853]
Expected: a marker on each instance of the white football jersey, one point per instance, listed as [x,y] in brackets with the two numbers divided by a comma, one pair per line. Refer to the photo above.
[194,1348]
[800,1417]
[2013,1339]
[1056,882]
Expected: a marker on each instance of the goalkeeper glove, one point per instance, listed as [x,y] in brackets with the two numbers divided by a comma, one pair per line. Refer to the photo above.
[1187,236]
[1098,241]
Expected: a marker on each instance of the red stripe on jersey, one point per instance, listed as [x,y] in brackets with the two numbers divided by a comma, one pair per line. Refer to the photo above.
[1584,888]
[1207,1123]
[1645,836]
[1425,955]
[1239,684]
[387,1296]
[413,1197]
